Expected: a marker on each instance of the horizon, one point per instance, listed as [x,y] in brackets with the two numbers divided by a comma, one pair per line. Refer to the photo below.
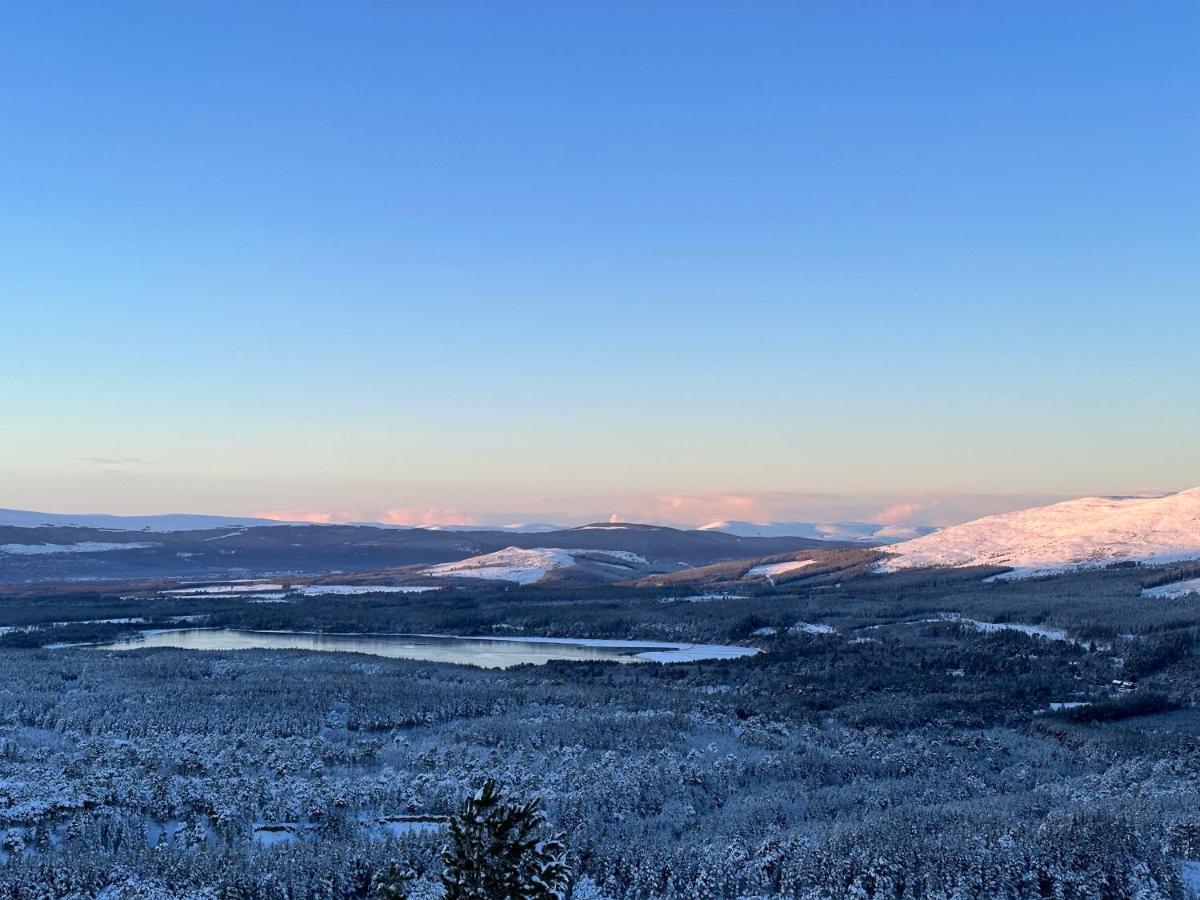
[452,263]
[886,311]
[928,512]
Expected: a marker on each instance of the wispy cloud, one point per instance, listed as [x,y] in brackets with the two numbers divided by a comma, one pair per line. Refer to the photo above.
[900,513]
[116,465]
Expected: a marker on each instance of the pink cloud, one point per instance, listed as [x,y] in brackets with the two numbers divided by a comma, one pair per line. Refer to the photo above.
[701,508]
[690,509]
[299,515]
[425,516]
[899,512]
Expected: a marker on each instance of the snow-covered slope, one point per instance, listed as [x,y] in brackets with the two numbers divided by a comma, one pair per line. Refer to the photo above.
[770,570]
[1174,589]
[857,532]
[1087,533]
[529,566]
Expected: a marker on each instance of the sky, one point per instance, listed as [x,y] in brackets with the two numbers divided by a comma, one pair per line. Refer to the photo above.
[462,262]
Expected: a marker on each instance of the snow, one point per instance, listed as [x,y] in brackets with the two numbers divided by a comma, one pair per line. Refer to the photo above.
[854,532]
[703,598]
[272,834]
[510,564]
[655,651]
[811,628]
[625,555]
[697,653]
[319,590]
[233,639]
[770,570]
[224,589]
[79,547]
[1190,873]
[1051,634]
[524,566]
[1078,534]
[1175,589]
[221,537]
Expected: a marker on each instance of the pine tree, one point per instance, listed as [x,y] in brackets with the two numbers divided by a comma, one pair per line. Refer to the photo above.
[500,851]
[392,883]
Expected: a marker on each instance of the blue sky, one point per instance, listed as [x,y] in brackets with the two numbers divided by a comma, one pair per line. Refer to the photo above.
[475,260]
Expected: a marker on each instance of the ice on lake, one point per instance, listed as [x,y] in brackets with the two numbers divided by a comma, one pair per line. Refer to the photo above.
[487,652]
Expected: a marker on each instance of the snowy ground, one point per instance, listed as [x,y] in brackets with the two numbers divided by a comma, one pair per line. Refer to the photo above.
[1177,589]
[703,598]
[320,590]
[811,628]
[771,570]
[1190,871]
[224,589]
[523,566]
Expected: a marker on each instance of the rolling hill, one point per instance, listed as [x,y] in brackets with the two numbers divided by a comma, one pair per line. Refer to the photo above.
[54,553]
[1087,533]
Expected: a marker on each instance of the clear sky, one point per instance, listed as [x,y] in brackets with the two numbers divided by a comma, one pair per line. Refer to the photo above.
[467,260]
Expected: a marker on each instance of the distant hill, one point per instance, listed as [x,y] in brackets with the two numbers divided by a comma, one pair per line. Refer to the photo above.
[56,553]
[24,518]
[539,564]
[851,532]
[1087,533]
[27,518]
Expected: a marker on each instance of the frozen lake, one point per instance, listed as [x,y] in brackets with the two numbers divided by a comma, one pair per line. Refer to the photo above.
[490,653]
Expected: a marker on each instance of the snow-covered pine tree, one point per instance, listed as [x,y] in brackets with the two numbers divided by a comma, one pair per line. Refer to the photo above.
[392,883]
[500,851]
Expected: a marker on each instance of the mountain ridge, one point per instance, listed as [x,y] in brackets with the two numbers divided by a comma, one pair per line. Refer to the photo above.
[1090,532]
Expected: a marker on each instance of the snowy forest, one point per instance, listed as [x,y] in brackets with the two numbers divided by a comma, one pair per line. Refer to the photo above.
[900,736]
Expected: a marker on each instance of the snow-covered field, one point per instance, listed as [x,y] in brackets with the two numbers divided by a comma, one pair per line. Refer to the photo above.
[321,590]
[1175,589]
[1050,634]
[524,566]
[79,547]
[224,589]
[771,570]
[703,598]
[811,628]
[1088,533]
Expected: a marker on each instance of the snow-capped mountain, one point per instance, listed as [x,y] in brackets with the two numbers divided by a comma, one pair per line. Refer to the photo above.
[857,532]
[528,566]
[1087,533]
